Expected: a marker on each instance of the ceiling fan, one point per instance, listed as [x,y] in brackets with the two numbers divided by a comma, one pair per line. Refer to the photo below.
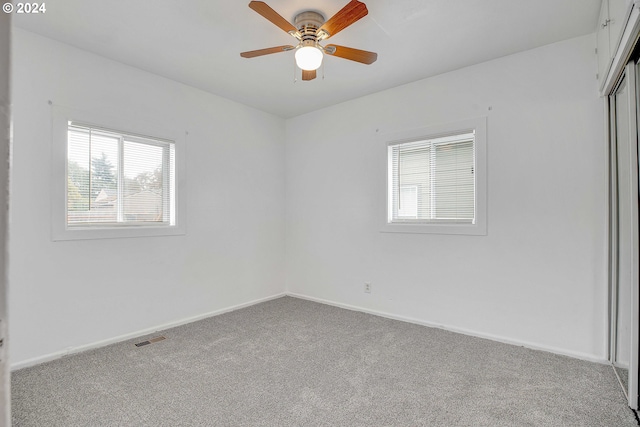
[310,29]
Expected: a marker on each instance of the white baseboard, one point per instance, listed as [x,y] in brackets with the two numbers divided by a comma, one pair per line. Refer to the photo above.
[71,350]
[511,341]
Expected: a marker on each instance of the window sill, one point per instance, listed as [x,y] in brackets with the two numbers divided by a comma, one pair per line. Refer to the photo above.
[89,233]
[433,228]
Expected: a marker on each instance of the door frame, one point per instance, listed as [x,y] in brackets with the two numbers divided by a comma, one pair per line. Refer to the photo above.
[5,148]
[633,72]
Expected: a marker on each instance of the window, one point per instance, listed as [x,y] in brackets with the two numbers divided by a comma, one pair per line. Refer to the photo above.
[436,179]
[111,183]
[433,180]
[116,179]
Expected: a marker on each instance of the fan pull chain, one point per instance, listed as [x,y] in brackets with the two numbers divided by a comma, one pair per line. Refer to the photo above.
[295,77]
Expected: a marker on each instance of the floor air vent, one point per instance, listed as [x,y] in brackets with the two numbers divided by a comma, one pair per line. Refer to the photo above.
[152,340]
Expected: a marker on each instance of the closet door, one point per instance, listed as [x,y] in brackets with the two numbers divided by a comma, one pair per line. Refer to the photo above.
[624,233]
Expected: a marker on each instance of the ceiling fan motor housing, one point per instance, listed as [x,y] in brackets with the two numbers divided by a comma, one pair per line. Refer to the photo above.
[308,24]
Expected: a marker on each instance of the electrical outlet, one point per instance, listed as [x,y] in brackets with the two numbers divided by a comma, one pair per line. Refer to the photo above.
[367,287]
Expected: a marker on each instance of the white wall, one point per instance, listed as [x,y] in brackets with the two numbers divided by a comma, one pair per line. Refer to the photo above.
[74,293]
[538,277]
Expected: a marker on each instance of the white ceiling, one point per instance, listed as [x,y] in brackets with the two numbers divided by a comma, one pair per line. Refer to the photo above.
[198,42]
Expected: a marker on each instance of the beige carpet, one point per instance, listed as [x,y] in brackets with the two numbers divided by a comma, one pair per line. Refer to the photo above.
[291,362]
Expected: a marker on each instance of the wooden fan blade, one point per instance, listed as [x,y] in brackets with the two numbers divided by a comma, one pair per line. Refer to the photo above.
[362,56]
[265,10]
[308,74]
[267,51]
[353,11]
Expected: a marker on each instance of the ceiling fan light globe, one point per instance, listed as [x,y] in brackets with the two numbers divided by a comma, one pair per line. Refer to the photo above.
[309,58]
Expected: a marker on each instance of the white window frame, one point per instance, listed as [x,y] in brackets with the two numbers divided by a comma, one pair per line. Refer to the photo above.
[479,226]
[61,117]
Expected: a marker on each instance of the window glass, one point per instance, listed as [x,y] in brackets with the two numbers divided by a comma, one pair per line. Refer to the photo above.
[433,180]
[118,179]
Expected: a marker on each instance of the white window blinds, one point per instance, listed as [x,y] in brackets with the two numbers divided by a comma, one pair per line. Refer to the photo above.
[432,180]
[118,179]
